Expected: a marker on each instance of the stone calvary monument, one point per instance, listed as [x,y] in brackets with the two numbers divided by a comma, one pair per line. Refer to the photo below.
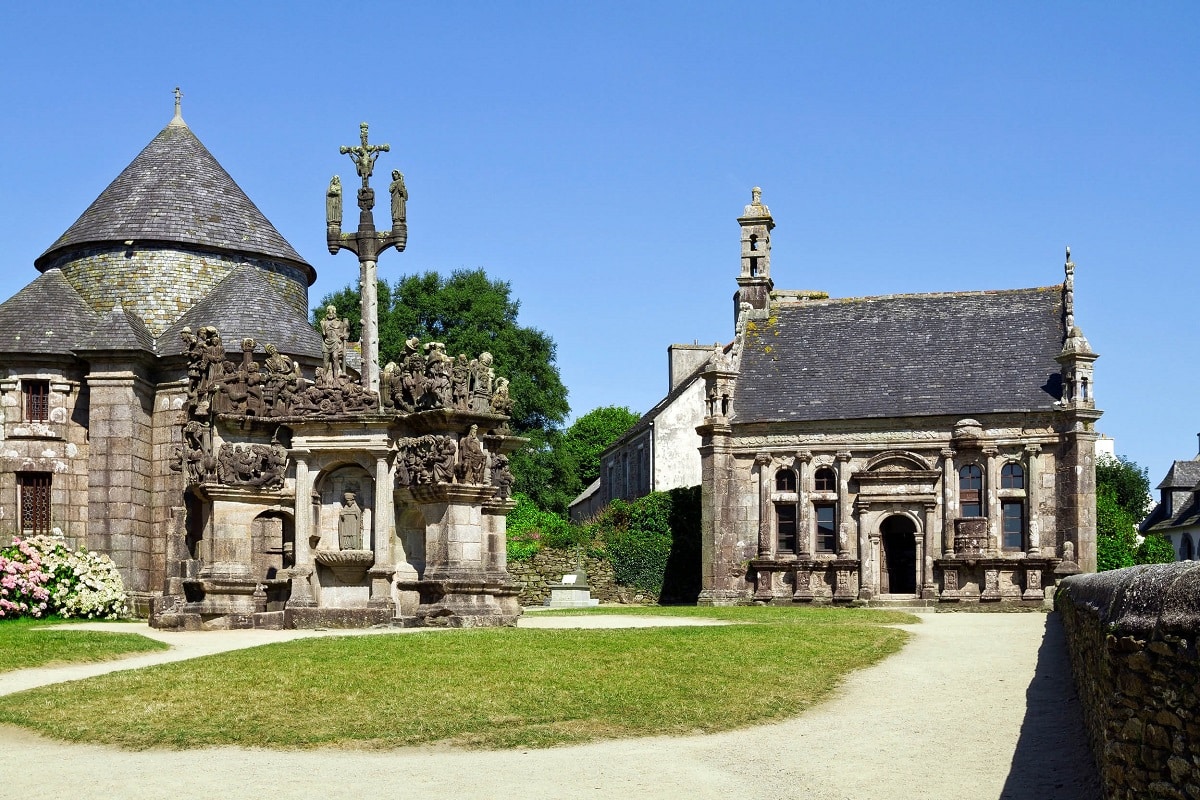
[165,399]
[340,502]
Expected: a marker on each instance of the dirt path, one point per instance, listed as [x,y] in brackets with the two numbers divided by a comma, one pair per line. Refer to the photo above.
[945,718]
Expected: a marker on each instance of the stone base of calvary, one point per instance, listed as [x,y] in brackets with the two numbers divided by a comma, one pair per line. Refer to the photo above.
[336,501]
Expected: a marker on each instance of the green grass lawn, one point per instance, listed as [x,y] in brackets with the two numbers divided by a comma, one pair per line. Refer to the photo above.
[37,642]
[489,688]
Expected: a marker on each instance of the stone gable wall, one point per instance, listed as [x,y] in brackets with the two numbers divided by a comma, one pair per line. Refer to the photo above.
[1132,636]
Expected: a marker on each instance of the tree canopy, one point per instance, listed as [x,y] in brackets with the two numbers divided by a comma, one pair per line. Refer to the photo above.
[1122,495]
[589,435]
[471,313]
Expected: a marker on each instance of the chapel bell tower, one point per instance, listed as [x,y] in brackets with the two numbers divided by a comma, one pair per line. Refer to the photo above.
[754,282]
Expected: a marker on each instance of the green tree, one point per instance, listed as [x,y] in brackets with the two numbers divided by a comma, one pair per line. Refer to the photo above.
[1154,549]
[471,313]
[588,436]
[1122,494]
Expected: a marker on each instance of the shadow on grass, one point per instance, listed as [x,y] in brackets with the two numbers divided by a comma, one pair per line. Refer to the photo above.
[1052,759]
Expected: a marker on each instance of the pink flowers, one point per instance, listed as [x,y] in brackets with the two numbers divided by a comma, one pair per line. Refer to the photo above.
[40,576]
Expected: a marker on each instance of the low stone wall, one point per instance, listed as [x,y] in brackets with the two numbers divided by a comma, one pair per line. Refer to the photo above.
[548,566]
[1132,635]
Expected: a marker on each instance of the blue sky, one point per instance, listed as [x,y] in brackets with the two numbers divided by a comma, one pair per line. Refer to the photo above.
[596,155]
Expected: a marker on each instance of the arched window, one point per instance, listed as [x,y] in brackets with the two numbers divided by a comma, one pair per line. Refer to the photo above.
[1186,551]
[785,480]
[970,491]
[1012,476]
[825,480]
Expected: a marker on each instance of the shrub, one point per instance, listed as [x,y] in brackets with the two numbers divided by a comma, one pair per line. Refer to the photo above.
[638,557]
[530,529]
[1154,549]
[41,576]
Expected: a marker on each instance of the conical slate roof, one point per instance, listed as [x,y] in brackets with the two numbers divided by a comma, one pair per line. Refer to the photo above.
[47,316]
[176,192]
[121,330]
[245,304]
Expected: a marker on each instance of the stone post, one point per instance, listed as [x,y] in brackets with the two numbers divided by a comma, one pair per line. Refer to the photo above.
[804,526]
[843,501]
[766,547]
[929,586]
[303,511]
[1033,480]
[370,325]
[949,502]
[992,499]
[866,573]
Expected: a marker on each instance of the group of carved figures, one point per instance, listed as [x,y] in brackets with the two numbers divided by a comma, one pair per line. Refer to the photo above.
[258,465]
[435,380]
[434,459]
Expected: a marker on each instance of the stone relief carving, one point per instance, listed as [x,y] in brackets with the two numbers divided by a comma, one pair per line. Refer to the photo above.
[437,381]
[502,477]
[261,465]
[425,460]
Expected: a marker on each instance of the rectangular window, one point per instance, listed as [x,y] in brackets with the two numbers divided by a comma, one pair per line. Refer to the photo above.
[34,500]
[37,400]
[785,528]
[1013,514]
[826,527]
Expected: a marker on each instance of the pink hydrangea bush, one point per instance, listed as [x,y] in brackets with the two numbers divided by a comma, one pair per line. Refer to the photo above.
[40,576]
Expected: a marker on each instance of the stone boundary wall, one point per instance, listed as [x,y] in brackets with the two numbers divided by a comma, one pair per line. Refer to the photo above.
[548,566]
[1132,635]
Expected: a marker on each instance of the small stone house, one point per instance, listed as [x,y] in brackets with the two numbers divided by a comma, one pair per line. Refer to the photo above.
[920,447]
[1177,513]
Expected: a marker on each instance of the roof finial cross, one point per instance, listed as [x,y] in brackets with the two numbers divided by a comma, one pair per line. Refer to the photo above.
[364,155]
[178,113]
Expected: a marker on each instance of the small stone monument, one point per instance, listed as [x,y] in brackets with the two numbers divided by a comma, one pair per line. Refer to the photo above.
[573,590]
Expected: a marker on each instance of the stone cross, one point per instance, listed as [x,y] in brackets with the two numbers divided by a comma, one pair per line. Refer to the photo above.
[364,155]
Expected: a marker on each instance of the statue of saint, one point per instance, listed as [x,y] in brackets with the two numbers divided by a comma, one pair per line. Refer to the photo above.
[474,460]
[399,197]
[350,523]
[333,203]
[335,332]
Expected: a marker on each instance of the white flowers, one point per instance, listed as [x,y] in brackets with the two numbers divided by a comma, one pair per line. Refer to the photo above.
[42,576]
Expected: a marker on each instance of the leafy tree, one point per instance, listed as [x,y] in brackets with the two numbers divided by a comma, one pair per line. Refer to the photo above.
[472,313]
[1122,494]
[1154,549]
[588,436]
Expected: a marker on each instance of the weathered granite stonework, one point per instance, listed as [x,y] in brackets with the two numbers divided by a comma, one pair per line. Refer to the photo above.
[548,566]
[1133,636]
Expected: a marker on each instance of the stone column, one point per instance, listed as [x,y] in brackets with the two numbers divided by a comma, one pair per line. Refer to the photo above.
[949,502]
[843,501]
[303,511]
[384,567]
[929,587]
[867,585]
[370,325]
[992,499]
[766,547]
[804,527]
[1033,480]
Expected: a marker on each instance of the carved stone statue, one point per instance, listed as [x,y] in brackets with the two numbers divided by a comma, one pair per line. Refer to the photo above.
[502,477]
[282,383]
[399,197]
[481,383]
[439,392]
[460,382]
[474,459]
[335,332]
[333,203]
[501,402]
[350,523]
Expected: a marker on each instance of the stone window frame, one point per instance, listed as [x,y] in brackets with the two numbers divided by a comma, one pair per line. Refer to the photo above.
[975,497]
[820,541]
[786,516]
[785,480]
[35,400]
[1007,503]
[35,512]
[1012,472]
[822,473]
[823,498]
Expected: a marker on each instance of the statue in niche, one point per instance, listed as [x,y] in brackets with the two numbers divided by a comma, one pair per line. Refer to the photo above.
[335,332]
[350,523]
[502,477]
[501,402]
[481,383]
[399,198]
[460,382]
[474,459]
[333,203]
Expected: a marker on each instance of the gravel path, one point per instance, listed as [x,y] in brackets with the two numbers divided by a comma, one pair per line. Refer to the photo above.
[947,717]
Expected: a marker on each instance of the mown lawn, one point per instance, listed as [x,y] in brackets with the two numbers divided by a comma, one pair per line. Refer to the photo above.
[488,688]
[28,643]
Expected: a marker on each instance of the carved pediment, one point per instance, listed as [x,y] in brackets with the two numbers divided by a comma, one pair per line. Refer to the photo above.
[897,461]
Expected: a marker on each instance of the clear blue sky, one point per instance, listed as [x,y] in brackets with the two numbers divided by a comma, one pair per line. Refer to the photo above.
[596,155]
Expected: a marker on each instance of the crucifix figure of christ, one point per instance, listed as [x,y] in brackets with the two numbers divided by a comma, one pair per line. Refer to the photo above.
[364,155]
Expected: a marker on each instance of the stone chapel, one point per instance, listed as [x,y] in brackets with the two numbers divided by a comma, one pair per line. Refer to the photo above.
[918,448]
[165,399]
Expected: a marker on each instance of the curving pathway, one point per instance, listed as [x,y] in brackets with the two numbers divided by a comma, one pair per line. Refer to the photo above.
[976,705]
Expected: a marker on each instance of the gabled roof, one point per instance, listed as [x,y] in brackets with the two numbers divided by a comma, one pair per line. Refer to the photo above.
[176,192]
[120,330]
[1181,475]
[960,353]
[47,316]
[246,305]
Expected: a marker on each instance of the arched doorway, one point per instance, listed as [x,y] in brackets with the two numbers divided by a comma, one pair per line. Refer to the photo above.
[898,570]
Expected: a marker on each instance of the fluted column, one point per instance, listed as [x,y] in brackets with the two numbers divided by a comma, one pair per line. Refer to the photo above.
[992,499]
[843,509]
[1033,480]
[765,545]
[384,512]
[949,502]
[304,510]
[804,531]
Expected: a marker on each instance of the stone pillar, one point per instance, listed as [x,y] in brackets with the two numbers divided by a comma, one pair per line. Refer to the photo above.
[1076,483]
[929,587]
[949,502]
[303,513]
[992,499]
[722,575]
[868,585]
[384,567]
[804,526]
[1033,501]
[766,547]
[370,325]
[843,501]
